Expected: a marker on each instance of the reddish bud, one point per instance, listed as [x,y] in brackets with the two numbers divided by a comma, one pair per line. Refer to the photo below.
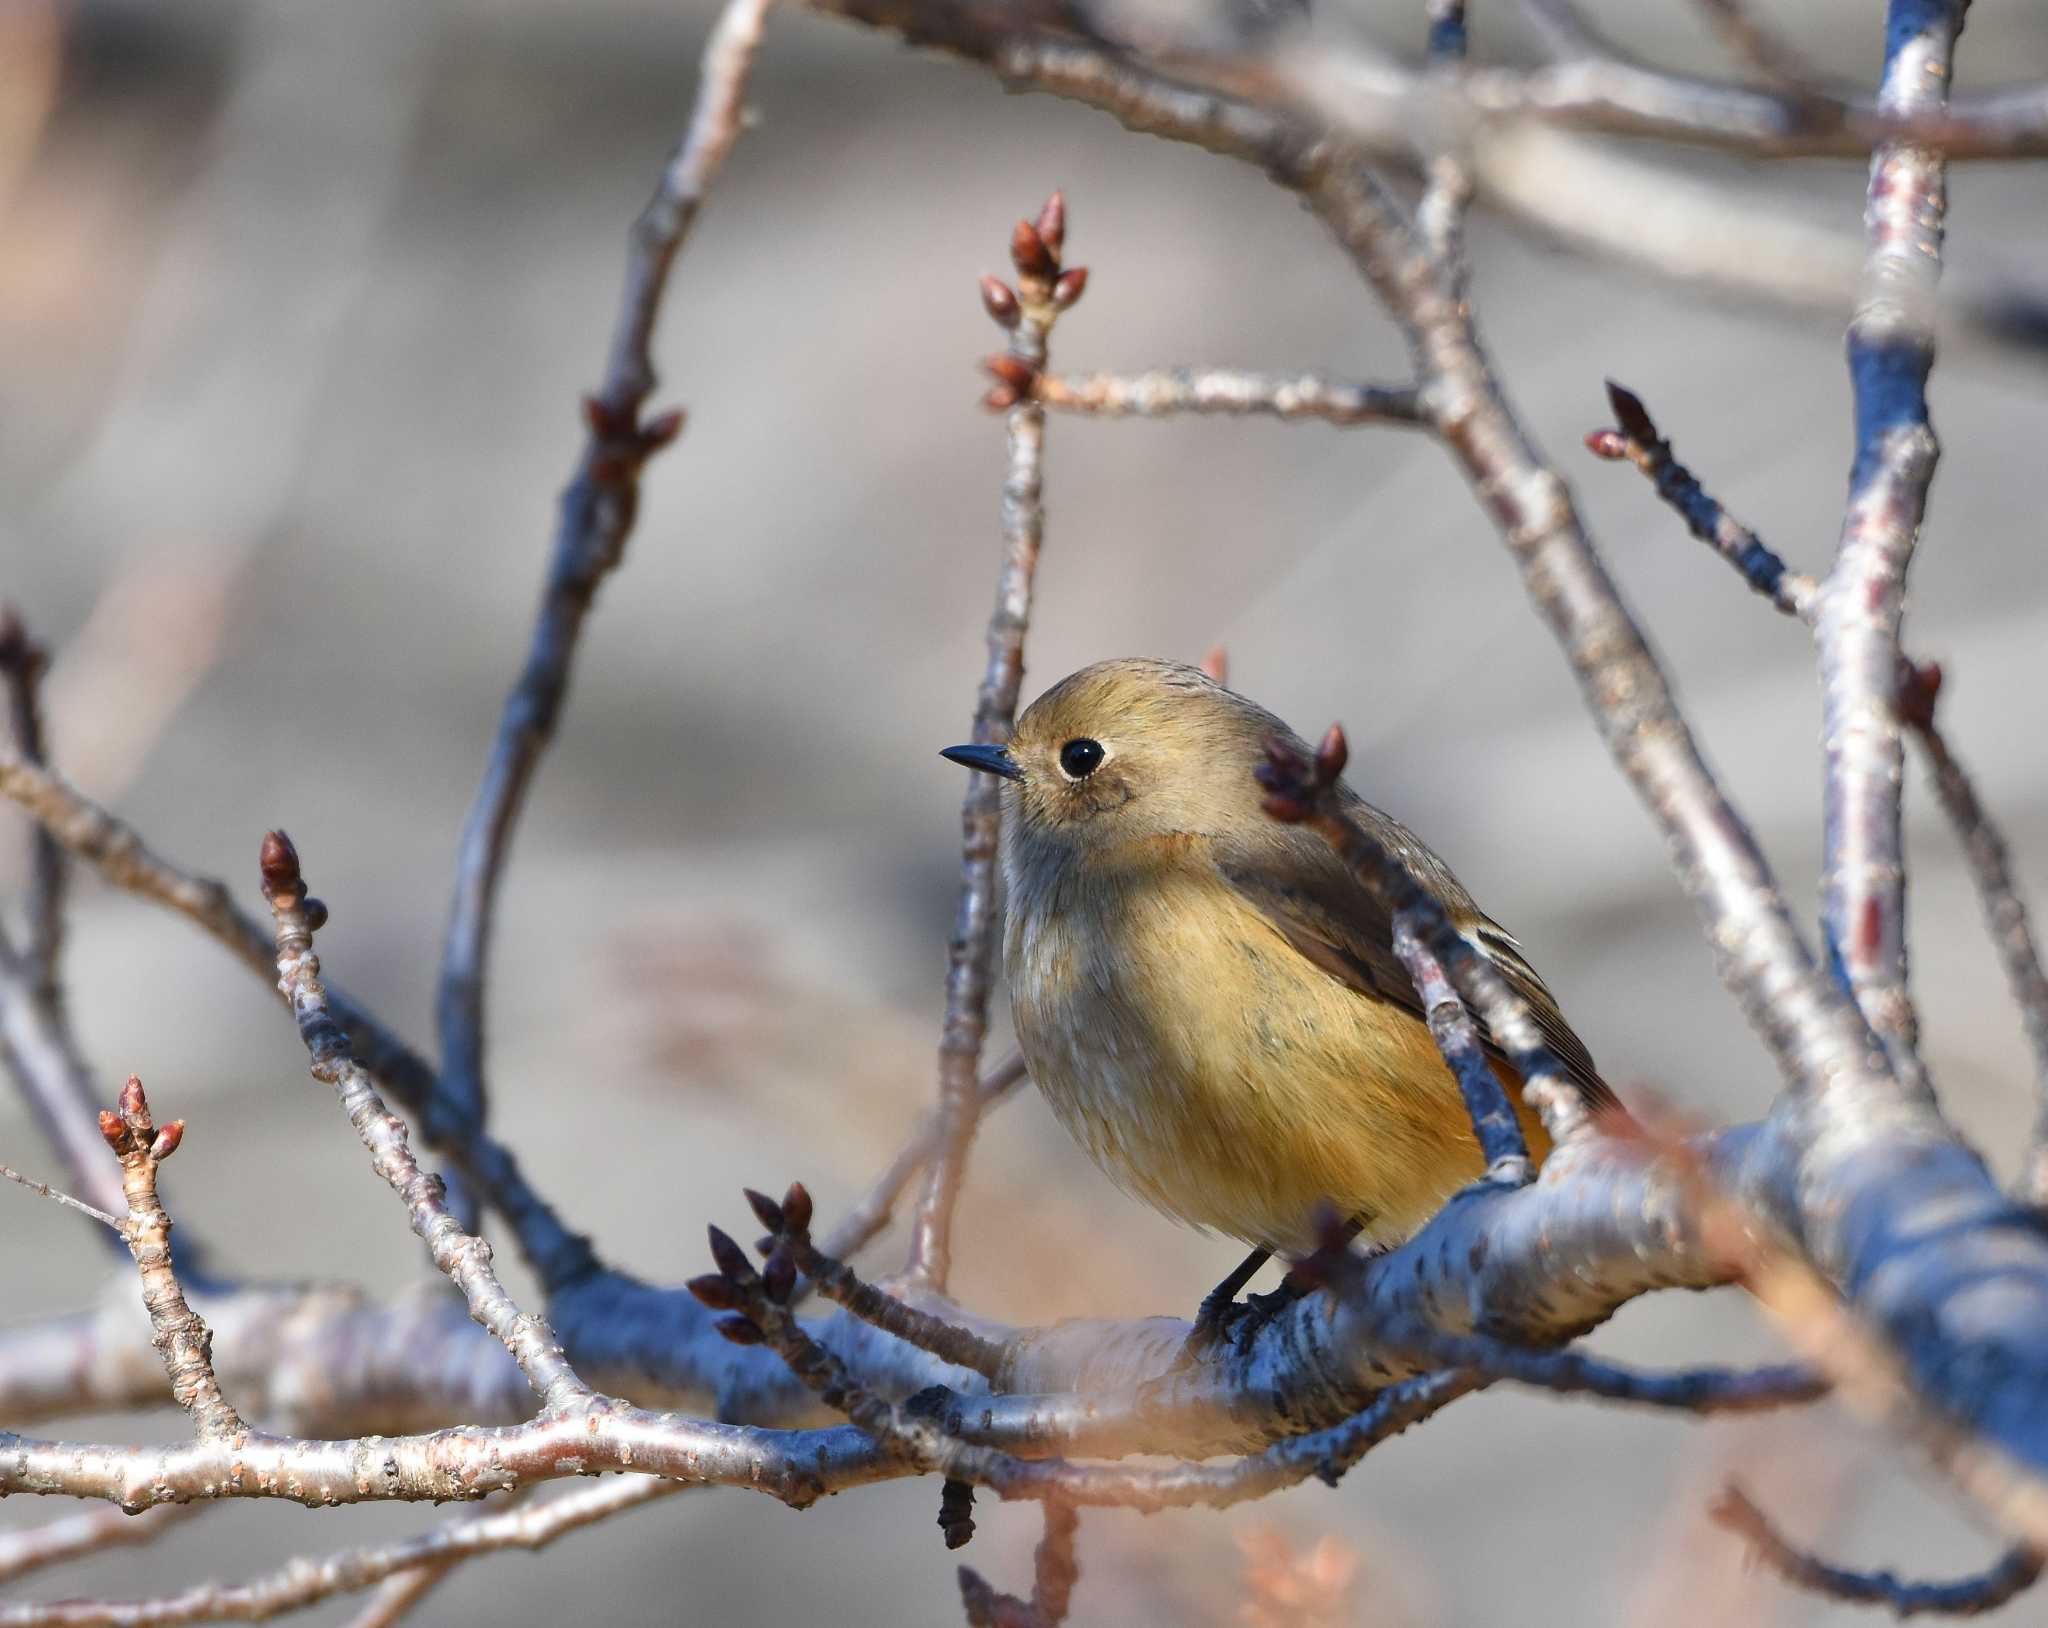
[1332,755]
[115,1129]
[1000,397]
[1029,254]
[1631,414]
[1052,222]
[167,1140]
[315,911]
[766,1210]
[796,1210]
[739,1331]
[778,1277]
[1013,371]
[713,1291]
[134,1104]
[1919,689]
[1070,287]
[661,429]
[279,864]
[999,301]
[730,1258]
[1216,664]
[604,420]
[1608,444]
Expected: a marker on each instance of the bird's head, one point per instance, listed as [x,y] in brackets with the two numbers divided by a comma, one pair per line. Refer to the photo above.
[1129,749]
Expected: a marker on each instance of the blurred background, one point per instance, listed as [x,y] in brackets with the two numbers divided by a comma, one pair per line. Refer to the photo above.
[296,301]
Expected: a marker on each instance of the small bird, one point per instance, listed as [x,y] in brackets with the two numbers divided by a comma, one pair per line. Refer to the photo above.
[1206,996]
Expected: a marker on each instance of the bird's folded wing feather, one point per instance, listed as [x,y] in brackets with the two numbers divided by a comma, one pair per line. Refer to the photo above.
[1295,880]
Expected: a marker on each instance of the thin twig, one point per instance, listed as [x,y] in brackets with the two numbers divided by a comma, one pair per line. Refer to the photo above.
[1308,793]
[1053,1575]
[90,1532]
[597,514]
[120,1227]
[179,1334]
[1635,439]
[38,1044]
[120,856]
[1862,603]
[303,1582]
[1501,1144]
[2010,1575]
[1044,289]
[1163,392]
[1447,172]
[2005,913]
[23,663]
[462,1256]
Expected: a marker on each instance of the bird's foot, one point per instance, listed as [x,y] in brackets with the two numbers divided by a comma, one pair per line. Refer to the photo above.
[1226,1321]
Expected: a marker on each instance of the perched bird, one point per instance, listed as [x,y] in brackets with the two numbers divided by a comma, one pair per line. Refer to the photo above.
[1208,999]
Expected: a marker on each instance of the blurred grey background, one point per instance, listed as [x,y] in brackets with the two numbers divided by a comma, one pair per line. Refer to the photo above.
[295,304]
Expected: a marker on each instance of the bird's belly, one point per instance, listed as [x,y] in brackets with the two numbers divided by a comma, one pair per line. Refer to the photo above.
[1213,1071]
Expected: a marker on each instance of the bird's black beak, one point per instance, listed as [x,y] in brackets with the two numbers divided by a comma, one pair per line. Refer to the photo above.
[988,759]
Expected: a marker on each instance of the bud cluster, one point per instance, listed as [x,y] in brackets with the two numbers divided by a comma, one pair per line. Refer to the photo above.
[1045,288]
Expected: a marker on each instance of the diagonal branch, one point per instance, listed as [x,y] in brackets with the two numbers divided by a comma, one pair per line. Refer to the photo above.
[597,514]
[461,1256]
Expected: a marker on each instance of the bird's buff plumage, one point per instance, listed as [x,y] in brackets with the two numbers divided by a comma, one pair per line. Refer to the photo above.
[1206,997]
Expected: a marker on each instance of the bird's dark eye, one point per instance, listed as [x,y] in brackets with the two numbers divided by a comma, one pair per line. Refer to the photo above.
[1081,758]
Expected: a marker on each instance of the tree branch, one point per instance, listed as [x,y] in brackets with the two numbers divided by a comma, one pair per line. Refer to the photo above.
[1044,289]
[2011,1575]
[597,514]
[1862,603]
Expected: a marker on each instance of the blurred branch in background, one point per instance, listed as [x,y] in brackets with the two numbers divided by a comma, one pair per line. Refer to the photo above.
[1821,1210]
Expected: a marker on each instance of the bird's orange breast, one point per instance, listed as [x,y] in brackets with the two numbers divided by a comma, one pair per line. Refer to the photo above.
[1214,1071]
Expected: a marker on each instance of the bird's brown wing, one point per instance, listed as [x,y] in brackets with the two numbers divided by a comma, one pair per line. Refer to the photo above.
[1294,879]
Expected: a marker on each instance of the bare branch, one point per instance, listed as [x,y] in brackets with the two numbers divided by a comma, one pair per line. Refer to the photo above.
[123,859]
[2005,913]
[22,665]
[51,1193]
[1045,288]
[1501,1143]
[1166,391]
[90,1532]
[1054,1573]
[461,1256]
[1863,601]
[1635,439]
[38,1045]
[597,514]
[179,1334]
[2012,1574]
[1308,793]
[304,1582]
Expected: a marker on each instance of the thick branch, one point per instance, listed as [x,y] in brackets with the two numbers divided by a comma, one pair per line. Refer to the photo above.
[1863,601]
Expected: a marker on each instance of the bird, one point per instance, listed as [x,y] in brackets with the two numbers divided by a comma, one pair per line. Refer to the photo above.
[1208,999]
